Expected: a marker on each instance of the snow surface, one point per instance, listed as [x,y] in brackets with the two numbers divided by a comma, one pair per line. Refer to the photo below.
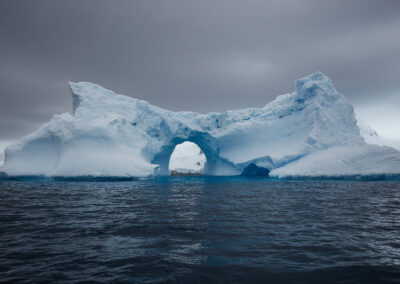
[187,158]
[115,135]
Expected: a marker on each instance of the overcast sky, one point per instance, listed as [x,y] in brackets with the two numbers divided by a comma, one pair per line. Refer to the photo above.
[196,55]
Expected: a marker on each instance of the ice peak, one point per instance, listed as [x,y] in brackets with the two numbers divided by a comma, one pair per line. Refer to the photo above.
[315,84]
[87,91]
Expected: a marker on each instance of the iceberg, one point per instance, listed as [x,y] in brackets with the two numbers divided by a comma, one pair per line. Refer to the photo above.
[310,132]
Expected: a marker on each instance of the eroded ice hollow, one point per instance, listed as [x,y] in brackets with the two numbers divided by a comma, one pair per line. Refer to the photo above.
[310,132]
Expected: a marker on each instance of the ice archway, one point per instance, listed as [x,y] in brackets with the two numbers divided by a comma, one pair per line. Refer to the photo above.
[215,165]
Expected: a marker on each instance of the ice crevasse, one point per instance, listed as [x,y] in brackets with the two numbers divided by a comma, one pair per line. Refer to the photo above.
[310,132]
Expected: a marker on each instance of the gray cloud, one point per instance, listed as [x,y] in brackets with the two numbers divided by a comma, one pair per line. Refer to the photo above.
[190,55]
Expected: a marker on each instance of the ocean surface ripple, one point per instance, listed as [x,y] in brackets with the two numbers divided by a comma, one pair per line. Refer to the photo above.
[200,230]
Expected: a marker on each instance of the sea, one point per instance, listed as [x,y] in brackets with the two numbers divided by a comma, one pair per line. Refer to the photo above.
[199,230]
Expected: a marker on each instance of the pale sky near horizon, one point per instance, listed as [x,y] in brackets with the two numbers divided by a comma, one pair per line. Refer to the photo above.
[196,55]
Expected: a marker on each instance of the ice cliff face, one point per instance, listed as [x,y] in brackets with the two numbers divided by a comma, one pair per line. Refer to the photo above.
[115,135]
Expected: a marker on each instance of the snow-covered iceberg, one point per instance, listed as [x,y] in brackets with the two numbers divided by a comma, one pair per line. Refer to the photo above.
[114,135]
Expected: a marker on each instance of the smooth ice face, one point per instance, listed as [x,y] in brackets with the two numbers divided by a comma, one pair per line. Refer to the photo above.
[114,135]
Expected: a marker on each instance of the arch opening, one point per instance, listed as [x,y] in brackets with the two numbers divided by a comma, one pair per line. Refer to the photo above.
[187,159]
[214,165]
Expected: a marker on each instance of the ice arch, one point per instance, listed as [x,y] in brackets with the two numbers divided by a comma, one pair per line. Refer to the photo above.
[215,165]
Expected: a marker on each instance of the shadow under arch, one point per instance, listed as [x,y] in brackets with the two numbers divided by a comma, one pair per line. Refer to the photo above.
[214,164]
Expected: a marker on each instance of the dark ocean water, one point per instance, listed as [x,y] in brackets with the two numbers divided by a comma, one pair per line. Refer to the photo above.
[201,230]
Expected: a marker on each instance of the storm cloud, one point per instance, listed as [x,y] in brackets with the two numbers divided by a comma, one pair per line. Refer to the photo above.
[193,55]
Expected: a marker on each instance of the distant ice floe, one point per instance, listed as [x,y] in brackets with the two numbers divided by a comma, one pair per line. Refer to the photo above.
[371,136]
